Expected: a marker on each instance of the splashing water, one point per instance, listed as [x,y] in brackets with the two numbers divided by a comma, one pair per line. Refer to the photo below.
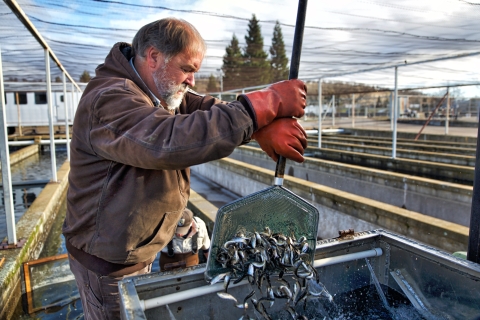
[379,289]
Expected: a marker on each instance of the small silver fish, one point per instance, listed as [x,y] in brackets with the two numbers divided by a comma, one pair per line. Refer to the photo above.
[227,296]
[218,278]
[305,247]
[250,269]
[270,296]
[258,264]
[285,290]
[226,281]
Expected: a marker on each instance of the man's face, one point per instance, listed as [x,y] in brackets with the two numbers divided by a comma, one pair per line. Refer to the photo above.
[173,78]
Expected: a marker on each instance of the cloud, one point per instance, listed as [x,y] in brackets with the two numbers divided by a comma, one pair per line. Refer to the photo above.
[340,36]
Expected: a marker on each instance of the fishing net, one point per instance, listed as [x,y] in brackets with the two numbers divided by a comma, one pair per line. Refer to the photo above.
[276,208]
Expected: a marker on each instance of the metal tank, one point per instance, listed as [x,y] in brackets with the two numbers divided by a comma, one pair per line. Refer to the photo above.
[372,274]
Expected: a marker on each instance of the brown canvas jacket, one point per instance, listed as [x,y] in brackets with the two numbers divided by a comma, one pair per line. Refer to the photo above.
[130,178]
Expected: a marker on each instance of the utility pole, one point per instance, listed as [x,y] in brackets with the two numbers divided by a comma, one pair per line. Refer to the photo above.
[221,83]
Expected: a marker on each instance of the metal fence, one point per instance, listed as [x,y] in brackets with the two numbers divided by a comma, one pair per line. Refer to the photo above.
[49,56]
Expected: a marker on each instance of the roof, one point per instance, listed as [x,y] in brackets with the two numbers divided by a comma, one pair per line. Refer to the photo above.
[343,36]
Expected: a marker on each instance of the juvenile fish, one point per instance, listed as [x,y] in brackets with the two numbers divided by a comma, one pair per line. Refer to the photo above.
[218,278]
[227,296]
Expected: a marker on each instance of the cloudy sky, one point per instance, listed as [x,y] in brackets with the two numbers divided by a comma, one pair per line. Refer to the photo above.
[341,39]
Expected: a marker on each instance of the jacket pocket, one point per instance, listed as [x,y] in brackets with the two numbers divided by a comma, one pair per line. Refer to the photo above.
[164,234]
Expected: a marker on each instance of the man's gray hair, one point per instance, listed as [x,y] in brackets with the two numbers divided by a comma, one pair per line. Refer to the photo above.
[170,36]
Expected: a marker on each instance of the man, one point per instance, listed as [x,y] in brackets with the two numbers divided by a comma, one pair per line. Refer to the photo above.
[137,130]
[190,236]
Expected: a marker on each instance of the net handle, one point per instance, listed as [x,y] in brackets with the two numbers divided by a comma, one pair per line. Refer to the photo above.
[294,68]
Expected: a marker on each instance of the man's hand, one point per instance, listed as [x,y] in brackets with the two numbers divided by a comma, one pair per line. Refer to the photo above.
[194,229]
[283,137]
[284,99]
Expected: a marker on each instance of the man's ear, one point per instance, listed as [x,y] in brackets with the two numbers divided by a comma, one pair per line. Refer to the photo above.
[153,57]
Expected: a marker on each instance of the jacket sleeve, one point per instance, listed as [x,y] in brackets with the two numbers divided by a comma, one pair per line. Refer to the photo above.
[194,101]
[126,128]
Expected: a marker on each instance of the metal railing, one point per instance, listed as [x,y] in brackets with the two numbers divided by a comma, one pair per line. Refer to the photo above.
[4,151]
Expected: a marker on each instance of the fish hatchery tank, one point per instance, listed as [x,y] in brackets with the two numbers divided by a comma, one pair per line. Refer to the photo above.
[366,275]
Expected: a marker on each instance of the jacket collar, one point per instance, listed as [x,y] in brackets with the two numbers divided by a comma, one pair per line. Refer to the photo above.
[117,64]
[156,101]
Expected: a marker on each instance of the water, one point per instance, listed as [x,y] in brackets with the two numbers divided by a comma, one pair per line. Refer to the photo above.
[359,304]
[362,303]
[378,287]
[61,292]
[65,293]
[36,167]
[366,303]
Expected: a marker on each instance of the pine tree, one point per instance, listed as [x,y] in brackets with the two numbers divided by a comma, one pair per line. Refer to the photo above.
[212,84]
[279,60]
[85,77]
[232,64]
[256,69]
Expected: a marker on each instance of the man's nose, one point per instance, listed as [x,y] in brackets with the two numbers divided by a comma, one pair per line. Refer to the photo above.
[190,80]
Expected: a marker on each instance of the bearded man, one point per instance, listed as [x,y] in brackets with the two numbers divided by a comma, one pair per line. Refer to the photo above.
[137,130]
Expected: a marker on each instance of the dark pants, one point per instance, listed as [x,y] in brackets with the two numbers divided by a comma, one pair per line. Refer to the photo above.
[99,294]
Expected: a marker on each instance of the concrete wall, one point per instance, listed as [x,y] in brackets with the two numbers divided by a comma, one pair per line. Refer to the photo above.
[456,159]
[340,210]
[202,208]
[22,154]
[439,199]
[432,170]
[430,146]
[32,230]
[409,135]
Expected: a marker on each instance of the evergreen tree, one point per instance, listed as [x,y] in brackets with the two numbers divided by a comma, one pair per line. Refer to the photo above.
[212,84]
[256,69]
[85,77]
[232,64]
[279,60]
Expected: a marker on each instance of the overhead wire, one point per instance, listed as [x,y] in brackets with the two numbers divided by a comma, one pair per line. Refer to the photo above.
[384,45]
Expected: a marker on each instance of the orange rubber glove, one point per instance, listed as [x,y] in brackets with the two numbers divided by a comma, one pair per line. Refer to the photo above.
[283,137]
[284,99]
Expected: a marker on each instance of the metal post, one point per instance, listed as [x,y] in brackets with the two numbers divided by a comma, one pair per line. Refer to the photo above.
[473,251]
[447,116]
[333,110]
[394,113]
[76,98]
[391,110]
[221,83]
[65,105]
[50,116]
[19,114]
[353,110]
[5,159]
[407,105]
[320,113]
[72,93]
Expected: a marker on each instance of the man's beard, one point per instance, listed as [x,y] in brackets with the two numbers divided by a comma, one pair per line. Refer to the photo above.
[169,91]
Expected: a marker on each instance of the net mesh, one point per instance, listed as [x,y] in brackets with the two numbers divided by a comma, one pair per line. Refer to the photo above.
[276,208]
